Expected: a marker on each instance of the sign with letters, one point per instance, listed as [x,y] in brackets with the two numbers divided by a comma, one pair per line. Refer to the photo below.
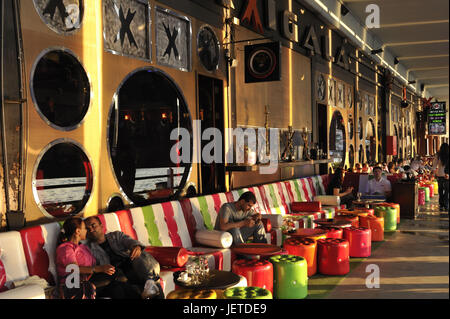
[437,119]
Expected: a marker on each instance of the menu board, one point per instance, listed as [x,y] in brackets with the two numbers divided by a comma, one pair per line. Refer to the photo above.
[437,119]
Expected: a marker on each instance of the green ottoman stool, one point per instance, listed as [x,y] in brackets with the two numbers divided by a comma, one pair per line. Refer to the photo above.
[247,293]
[290,277]
[390,217]
[427,194]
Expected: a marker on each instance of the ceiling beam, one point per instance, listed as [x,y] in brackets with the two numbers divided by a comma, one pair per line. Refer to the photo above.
[392,44]
[422,57]
[410,24]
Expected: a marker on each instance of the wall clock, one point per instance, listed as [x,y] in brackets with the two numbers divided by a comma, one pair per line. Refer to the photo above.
[208,48]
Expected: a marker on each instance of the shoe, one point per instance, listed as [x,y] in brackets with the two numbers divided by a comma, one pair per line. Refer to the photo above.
[151,289]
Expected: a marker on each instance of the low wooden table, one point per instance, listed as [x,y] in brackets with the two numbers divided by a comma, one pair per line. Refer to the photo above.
[218,279]
[366,203]
[265,250]
[333,223]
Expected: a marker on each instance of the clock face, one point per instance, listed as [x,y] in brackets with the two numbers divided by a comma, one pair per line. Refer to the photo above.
[321,88]
[208,48]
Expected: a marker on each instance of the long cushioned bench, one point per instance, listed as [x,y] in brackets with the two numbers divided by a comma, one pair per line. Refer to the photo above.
[168,224]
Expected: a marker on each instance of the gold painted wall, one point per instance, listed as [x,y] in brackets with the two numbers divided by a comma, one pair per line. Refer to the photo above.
[289,100]
[106,71]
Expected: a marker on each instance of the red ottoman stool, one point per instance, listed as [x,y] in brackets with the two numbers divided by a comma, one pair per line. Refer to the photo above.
[306,248]
[360,241]
[376,225]
[259,273]
[333,232]
[421,196]
[333,256]
[315,234]
[349,217]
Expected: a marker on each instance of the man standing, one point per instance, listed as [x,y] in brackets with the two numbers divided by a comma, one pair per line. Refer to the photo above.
[379,185]
[241,221]
[136,273]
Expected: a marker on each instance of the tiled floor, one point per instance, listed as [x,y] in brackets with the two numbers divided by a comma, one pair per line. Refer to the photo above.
[413,263]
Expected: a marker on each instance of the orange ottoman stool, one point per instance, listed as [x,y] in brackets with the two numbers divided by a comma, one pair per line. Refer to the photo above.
[306,248]
[376,225]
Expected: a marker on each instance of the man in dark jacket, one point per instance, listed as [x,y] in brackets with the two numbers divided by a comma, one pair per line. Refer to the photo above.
[136,271]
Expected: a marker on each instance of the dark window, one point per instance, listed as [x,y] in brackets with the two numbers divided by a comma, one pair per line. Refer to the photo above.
[337,138]
[351,128]
[360,128]
[361,154]
[351,156]
[149,107]
[63,180]
[60,89]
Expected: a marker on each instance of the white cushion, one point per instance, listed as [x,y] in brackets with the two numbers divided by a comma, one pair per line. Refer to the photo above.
[328,200]
[276,220]
[24,292]
[214,238]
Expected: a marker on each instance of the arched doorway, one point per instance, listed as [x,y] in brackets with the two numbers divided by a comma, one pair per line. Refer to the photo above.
[370,141]
[337,139]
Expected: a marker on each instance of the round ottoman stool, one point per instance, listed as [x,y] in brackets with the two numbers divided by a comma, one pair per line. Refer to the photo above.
[390,217]
[333,256]
[431,187]
[435,188]
[192,294]
[349,217]
[259,273]
[421,195]
[376,226]
[290,276]
[427,194]
[364,211]
[306,248]
[360,241]
[247,293]
[333,232]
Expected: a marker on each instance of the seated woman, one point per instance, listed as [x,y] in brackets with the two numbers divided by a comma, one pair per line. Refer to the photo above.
[72,258]
[335,188]
[391,168]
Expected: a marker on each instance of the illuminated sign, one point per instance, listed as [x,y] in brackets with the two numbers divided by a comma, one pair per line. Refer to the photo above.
[437,119]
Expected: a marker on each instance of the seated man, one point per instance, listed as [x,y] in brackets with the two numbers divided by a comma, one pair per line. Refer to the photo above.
[241,221]
[135,272]
[379,185]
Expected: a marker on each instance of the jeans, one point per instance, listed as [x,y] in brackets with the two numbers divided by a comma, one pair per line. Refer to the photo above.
[241,235]
[443,192]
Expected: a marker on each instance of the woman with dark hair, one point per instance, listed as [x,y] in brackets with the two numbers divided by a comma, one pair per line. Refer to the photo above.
[335,188]
[75,263]
[441,171]
[391,168]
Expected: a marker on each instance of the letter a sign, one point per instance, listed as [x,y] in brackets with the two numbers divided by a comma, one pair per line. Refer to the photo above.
[251,16]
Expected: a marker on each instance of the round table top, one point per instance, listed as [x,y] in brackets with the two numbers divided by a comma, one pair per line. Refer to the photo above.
[340,223]
[307,232]
[256,249]
[218,279]
[368,201]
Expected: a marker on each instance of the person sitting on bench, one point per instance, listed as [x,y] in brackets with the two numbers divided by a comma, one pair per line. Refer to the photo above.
[241,220]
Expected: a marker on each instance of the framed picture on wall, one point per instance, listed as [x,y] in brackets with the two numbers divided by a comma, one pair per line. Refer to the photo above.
[126,28]
[331,92]
[173,39]
[349,96]
[321,88]
[340,94]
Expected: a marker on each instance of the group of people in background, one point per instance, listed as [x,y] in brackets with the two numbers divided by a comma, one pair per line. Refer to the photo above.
[437,166]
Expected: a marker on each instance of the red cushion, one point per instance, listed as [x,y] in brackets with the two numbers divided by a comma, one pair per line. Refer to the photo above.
[37,258]
[169,256]
[306,207]
[267,224]
[2,276]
